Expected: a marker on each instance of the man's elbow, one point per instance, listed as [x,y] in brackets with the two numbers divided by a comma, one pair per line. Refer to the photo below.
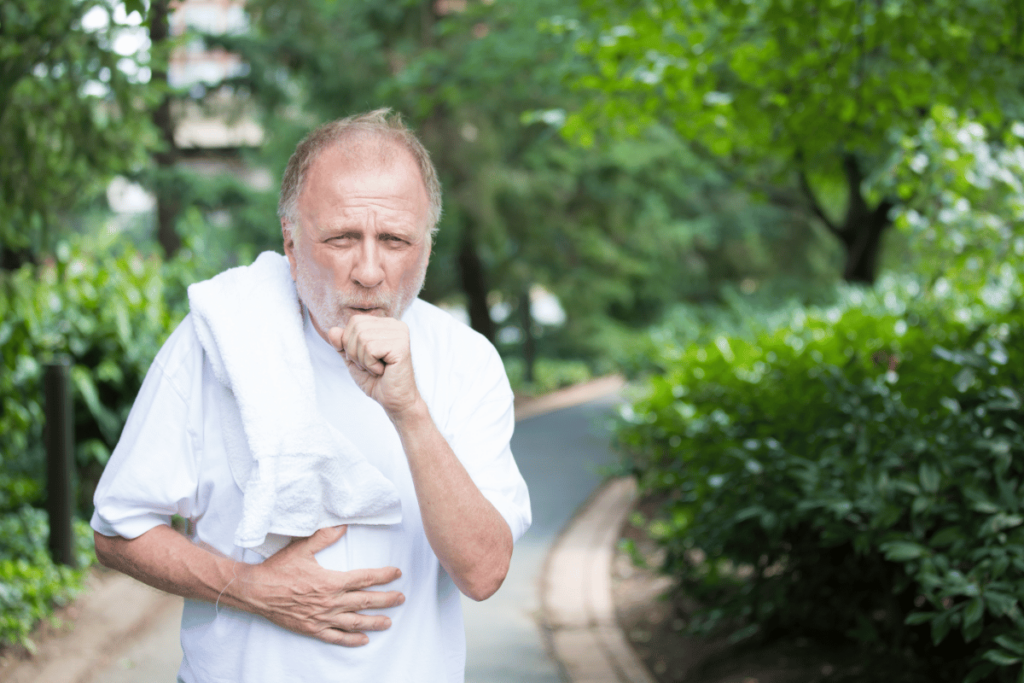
[106,549]
[481,590]
[486,582]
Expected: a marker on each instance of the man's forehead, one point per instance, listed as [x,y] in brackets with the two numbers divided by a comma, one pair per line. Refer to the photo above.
[364,152]
[361,158]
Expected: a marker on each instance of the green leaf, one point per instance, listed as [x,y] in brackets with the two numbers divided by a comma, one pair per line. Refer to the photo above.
[915,618]
[135,6]
[974,611]
[1011,643]
[940,627]
[929,477]
[980,672]
[998,603]
[972,621]
[947,536]
[964,379]
[1001,657]
[903,551]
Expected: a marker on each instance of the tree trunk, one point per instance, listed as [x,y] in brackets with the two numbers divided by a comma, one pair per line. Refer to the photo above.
[12,259]
[529,343]
[474,284]
[862,228]
[861,261]
[167,204]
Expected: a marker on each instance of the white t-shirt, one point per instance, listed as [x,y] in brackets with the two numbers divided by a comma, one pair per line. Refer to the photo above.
[171,460]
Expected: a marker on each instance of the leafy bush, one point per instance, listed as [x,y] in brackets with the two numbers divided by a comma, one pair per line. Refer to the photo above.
[108,315]
[30,583]
[106,312]
[549,374]
[853,473]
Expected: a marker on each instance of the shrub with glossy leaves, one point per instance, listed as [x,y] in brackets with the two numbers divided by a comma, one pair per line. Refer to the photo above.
[106,312]
[853,473]
[30,583]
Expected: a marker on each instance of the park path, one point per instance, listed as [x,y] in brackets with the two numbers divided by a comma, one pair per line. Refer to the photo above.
[563,456]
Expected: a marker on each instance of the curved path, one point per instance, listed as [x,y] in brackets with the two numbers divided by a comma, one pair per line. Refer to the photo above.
[563,456]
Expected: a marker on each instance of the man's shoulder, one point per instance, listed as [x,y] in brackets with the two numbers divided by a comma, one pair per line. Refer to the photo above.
[182,353]
[455,365]
[443,330]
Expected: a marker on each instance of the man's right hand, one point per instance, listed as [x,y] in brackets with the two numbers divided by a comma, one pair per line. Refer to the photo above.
[292,590]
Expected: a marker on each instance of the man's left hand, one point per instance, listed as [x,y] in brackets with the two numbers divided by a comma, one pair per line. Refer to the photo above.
[376,351]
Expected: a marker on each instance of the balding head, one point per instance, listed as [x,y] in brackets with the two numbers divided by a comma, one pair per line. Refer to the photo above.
[366,141]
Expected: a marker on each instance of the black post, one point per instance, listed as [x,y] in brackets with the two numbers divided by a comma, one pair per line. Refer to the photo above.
[529,343]
[59,446]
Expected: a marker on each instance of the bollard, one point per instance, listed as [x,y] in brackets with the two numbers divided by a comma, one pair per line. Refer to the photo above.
[59,448]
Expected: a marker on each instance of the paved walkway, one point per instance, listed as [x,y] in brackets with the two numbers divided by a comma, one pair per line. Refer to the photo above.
[563,456]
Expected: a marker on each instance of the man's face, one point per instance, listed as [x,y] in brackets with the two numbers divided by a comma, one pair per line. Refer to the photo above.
[363,244]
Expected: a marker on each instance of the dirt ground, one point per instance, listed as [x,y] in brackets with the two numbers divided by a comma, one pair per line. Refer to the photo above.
[654,626]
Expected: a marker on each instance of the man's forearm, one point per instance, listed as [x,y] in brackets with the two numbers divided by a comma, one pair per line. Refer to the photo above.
[290,588]
[165,559]
[470,538]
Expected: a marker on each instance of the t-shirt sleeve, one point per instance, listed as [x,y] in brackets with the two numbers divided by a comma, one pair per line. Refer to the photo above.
[153,471]
[480,433]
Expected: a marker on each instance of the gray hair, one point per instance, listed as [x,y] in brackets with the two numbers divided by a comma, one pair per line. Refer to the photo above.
[380,125]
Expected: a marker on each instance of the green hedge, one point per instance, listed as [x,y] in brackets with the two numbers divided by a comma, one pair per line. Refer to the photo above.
[853,474]
[106,312]
[30,583]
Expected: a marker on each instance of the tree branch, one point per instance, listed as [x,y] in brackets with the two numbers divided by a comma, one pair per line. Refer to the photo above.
[812,199]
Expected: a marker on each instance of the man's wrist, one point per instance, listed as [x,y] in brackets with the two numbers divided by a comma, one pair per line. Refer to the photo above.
[411,418]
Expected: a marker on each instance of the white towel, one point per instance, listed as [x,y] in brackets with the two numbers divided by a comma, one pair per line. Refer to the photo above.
[297,473]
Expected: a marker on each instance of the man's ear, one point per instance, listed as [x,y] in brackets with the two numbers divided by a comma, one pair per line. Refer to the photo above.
[289,244]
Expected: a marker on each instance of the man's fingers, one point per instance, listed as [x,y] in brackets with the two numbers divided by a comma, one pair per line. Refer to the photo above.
[356,601]
[336,336]
[349,628]
[360,352]
[367,341]
[344,638]
[357,623]
[358,579]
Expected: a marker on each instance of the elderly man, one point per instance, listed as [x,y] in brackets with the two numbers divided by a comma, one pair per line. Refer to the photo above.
[415,402]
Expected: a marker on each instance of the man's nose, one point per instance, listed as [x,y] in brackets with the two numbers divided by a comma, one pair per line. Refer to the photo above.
[368,270]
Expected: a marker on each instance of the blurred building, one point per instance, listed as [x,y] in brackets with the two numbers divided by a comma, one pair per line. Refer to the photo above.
[214,118]
[214,123]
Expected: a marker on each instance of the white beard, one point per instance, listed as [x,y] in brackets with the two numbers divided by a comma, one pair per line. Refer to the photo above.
[332,308]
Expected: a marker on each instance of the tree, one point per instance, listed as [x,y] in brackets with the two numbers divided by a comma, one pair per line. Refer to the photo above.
[165,156]
[802,101]
[618,232]
[70,119]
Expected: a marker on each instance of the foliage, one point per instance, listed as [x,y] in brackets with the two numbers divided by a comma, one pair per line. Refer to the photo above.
[855,472]
[71,117]
[549,374]
[620,230]
[800,99]
[963,204]
[103,310]
[30,583]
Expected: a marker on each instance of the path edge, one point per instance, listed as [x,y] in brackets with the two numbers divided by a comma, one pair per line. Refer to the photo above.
[578,618]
